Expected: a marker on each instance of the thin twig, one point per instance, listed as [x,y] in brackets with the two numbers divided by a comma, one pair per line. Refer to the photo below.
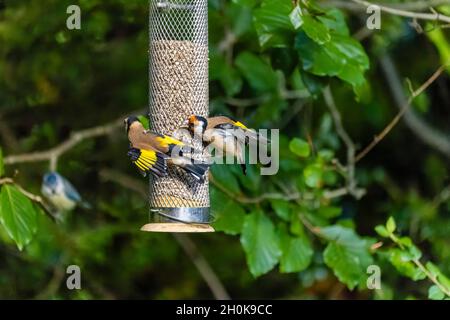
[408,14]
[52,155]
[419,264]
[351,150]
[403,10]
[203,267]
[58,151]
[405,106]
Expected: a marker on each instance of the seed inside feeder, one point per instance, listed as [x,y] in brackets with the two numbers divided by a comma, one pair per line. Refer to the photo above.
[178,88]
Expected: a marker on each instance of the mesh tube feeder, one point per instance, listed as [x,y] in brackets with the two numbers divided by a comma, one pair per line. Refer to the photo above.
[178,88]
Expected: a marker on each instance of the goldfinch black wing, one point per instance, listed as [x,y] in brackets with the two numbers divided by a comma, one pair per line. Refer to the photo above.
[250,134]
[148,161]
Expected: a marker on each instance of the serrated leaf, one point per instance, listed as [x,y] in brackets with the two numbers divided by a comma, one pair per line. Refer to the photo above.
[17,215]
[297,252]
[229,215]
[347,255]
[260,243]
[300,147]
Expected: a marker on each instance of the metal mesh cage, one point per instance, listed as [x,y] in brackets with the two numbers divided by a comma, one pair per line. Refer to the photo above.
[178,89]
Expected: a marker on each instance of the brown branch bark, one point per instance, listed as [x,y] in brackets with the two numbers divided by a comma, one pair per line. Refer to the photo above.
[53,154]
[190,249]
[441,143]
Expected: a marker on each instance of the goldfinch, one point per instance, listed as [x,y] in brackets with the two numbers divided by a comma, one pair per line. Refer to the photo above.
[151,151]
[221,131]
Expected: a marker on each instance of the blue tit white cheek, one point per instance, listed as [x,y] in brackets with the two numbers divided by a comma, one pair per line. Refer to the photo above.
[57,198]
[61,202]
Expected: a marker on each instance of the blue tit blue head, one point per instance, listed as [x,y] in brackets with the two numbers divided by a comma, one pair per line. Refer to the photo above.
[50,183]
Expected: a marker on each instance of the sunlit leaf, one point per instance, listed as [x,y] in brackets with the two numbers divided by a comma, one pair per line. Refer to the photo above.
[17,215]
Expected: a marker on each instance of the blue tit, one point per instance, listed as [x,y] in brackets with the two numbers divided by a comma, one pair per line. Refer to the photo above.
[220,132]
[152,152]
[60,193]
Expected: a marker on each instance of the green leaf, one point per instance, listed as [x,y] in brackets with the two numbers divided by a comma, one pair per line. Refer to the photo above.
[272,23]
[260,243]
[335,21]
[300,148]
[319,60]
[297,252]
[390,225]
[225,177]
[342,56]
[229,215]
[382,231]
[434,293]
[145,122]
[249,3]
[296,17]
[282,208]
[347,255]
[2,166]
[401,260]
[313,175]
[434,270]
[257,72]
[228,76]
[17,215]
[329,212]
[315,30]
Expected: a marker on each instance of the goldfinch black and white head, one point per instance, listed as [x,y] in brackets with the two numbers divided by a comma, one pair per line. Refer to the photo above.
[130,121]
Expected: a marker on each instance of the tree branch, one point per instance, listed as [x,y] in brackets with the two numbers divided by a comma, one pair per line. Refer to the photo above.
[401,9]
[441,144]
[52,155]
[351,150]
[203,267]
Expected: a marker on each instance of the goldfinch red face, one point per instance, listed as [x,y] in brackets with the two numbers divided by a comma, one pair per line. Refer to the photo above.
[197,124]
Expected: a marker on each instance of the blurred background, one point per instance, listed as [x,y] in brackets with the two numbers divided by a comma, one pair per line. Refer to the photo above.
[309,68]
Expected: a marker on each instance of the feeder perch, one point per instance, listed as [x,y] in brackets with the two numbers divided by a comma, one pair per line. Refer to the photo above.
[178,88]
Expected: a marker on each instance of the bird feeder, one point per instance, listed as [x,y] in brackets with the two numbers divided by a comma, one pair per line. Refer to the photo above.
[178,88]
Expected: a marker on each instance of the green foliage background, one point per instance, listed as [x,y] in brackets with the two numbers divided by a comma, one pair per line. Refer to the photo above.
[279,236]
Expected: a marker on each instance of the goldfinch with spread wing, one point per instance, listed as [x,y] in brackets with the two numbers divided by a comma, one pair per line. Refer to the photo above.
[221,131]
[165,147]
